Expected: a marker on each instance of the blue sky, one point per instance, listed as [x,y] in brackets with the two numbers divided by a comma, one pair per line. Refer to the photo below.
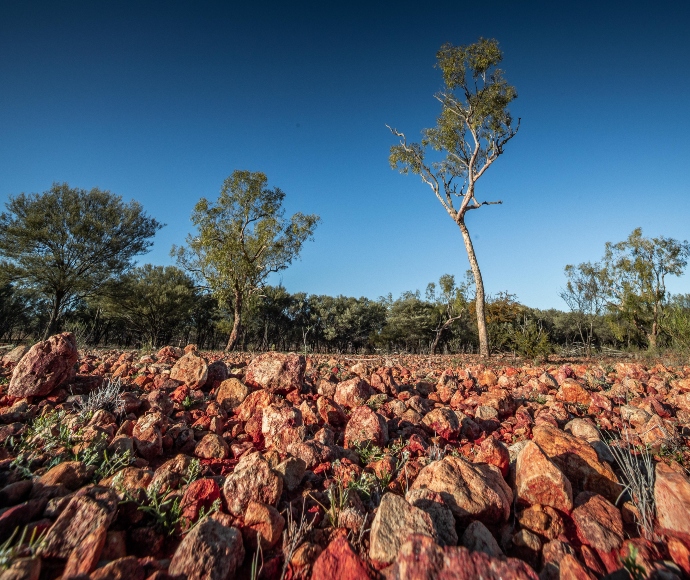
[161,101]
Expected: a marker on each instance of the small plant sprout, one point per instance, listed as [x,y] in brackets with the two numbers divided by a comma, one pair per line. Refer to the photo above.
[193,471]
[368,452]
[9,550]
[293,536]
[256,568]
[338,496]
[636,571]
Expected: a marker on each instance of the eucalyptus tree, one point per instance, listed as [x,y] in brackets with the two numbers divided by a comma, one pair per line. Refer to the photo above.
[451,302]
[471,132]
[584,295]
[633,275]
[67,244]
[241,239]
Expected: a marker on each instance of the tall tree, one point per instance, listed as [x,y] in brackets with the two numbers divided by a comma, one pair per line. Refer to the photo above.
[66,244]
[471,131]
[241,239]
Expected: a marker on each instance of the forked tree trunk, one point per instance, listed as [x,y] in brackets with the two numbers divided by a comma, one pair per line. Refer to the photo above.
[479,286]
[54,316]
[236,323]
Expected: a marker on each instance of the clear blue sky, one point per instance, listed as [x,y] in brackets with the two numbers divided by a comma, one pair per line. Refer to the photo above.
[160,101]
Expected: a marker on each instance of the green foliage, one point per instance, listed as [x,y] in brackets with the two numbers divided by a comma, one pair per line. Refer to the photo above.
[154,302]
[636,571]
[365,485]
[194,470]
[67,244]
[675,322]
[631,277]
[162,510]
[10,550]
[368,452]
[241,239]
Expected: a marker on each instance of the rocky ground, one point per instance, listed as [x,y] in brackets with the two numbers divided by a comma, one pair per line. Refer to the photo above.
[206,465]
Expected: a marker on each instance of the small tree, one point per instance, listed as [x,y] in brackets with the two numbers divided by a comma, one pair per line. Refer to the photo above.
[584,296]
[241,239]
[451,302]
[472,131]
[67,244]
[632,279]
[634,276]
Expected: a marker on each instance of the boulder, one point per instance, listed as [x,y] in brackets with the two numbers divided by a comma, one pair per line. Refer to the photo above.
[191,369]
[441,516]
[578,460]
[420,558]
[276,372]
[262,522]
[538,480]
[352,393]
[478,538]
[211,551]
[395,520]
[672,501]
[443,422]
[212,446]
[366,426]
[472,491]
[47,366]
[281,426]
[231,393]
[252,480]
[339,561]
[79,533]
[599,523]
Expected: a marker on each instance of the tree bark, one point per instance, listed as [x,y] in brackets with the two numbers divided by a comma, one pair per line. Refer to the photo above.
[479,285]
[54,316]
[236,324]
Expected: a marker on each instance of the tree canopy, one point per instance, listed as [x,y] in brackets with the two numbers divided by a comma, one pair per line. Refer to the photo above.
[471,133]
[67,243]
[241,239]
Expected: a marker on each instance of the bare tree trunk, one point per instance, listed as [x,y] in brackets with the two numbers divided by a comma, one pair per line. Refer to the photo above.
[479,285]
[236,323]
[54,315]
[440,331]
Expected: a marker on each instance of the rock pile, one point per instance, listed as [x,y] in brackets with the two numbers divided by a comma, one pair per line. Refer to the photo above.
[320,468]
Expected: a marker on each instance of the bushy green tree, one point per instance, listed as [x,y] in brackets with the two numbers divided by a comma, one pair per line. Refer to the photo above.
[154,301]
[632,279]
[471,132]
[241,239]
[451,303]
[66,244]
[410,323]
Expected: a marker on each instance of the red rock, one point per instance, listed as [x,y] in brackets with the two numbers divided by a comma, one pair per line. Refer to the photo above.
[672,501]
[330,412]
[572,391]
[443,422]
[148,435]
[191,369]
[252,480]
[395,520]
[282,426]
[255,402]
[169,352]
[217,372]
[338,561]
[231,393]
[161,402]
[501,400]
[578,461]
[366,426]
[472,491]
[571,569]
[352,393]
[262,522]
[599,523]
[199,494]
[447,386]
[441,515]
[45,367]
[478,538]
[487,378]
[211,551]
[14,356]
[276,372]
[538,480]
[80,531]
[125,568]
[494,452]
[420,558]
[212,446]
